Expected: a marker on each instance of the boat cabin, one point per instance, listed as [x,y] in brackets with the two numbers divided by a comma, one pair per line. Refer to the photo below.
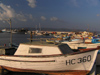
[42,48]
[7,50]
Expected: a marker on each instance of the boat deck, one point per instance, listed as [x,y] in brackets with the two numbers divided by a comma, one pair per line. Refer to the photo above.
[42,43]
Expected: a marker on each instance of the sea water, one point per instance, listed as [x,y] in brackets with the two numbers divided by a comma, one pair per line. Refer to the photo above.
[5,38]
[17,38]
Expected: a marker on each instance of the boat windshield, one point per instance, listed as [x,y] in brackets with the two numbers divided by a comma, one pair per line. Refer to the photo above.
[65,49]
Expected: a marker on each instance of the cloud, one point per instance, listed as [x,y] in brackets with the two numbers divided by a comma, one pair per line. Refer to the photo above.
[43,18]
[79,3]
[21,17]
[29,16]
[6,12]
[32,3]
[74,2]
[92,2]
[98,14]
[53,18]
[17,5]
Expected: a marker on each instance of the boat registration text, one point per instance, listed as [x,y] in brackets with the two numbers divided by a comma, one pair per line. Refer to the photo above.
[79,60]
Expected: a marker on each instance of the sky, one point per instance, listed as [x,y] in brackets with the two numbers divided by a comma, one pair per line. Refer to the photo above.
[69,14]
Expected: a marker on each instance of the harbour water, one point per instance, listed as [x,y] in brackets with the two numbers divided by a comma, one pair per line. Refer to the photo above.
[16,38]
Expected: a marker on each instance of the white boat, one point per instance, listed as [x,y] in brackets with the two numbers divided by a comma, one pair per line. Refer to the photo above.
[40,57]
[4,30]
[80,45]
[73,41]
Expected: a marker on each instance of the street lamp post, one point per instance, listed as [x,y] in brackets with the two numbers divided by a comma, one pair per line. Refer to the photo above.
[11,33]
[9,21]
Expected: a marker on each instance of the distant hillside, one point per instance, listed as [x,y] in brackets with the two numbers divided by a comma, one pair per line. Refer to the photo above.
[54,29]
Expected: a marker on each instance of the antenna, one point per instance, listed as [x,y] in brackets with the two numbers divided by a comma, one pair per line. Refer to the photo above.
[88,28]
[39,27]
[36,27]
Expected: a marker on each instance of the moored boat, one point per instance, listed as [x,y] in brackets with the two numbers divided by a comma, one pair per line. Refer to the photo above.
[95,40]
[72,41]
[41,57]
[4,30]
[78,45]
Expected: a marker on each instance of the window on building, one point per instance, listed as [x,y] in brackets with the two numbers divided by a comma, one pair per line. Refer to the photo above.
[35,50]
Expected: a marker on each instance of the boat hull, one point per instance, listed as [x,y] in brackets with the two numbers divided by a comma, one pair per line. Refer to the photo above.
[66,72]
[77,46]
[81,62]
